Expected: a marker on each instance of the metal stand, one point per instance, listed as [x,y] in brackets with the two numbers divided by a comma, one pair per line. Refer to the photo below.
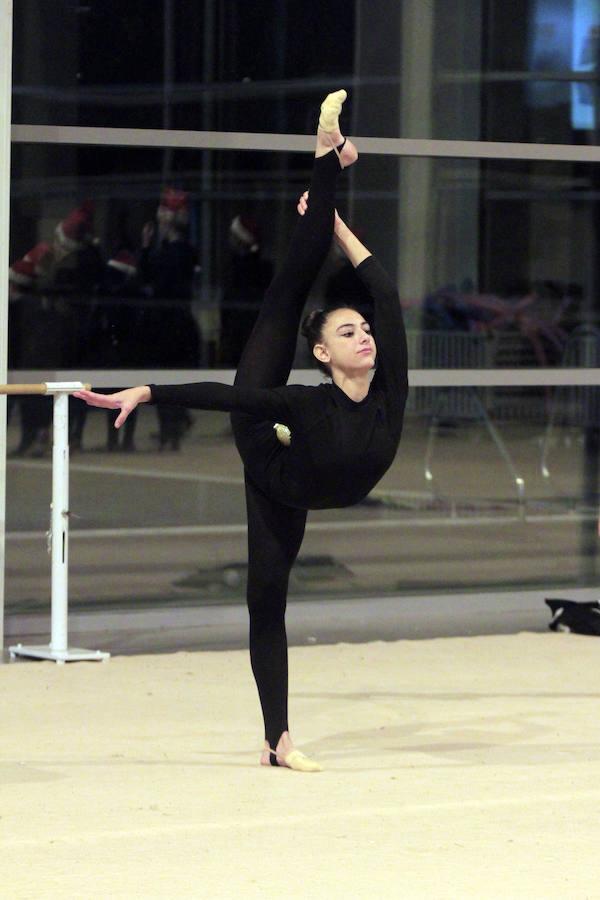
[58,648]
[496,438]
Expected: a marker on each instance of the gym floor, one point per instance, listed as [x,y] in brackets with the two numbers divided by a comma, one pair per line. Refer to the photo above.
[462,767]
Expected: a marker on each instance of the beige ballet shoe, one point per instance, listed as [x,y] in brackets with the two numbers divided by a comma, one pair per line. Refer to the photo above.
[297,761]
[331,108]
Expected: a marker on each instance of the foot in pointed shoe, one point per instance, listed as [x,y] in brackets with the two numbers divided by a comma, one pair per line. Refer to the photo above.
[286,756]
[331,108]
[299,762]
[329,135]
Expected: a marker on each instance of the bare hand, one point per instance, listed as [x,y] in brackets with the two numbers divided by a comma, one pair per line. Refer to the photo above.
[126,400]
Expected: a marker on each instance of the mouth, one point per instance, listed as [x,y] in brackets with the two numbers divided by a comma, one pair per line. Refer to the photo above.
[366,350]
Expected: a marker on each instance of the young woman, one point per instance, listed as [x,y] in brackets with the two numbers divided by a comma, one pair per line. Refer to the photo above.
[302,447]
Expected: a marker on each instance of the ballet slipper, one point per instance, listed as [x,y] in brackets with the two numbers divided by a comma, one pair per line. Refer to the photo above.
[331,108]
[297,761]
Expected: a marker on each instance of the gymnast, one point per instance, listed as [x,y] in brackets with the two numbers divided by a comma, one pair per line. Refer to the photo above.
[302,447]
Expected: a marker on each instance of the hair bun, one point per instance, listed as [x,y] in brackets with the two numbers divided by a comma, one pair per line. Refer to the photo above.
[308,323]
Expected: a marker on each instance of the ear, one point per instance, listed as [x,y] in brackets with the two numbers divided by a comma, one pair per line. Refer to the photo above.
[321,353]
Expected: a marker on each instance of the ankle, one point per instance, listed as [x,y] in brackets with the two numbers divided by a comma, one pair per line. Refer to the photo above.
[328,142]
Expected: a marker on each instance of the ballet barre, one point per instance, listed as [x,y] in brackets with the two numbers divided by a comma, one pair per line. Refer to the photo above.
[58,649]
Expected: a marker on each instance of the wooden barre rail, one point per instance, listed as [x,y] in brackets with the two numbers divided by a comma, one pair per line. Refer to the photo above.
[33,388]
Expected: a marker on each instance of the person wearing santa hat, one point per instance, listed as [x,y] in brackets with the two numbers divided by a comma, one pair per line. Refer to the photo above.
[74,282]
[248,276]
[30,339]
[117,332]
[75,231]
[170,332]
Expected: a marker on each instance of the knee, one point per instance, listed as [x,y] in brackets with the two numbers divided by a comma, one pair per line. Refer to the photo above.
[267,597]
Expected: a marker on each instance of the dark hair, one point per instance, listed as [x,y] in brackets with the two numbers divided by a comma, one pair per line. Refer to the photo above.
[312,328]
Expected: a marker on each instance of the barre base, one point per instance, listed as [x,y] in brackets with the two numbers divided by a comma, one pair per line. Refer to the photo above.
[44,651]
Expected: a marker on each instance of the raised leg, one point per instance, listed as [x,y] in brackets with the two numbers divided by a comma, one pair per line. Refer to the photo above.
[269,353]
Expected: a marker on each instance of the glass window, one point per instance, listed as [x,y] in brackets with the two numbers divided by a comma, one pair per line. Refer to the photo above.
[491,489]
[452,69]
[160,259]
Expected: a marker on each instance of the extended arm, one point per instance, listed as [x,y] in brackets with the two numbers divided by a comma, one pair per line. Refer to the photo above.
[267,403]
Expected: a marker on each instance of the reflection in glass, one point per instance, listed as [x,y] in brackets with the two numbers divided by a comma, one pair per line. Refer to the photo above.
[449,69]
[151,259]
[165,528]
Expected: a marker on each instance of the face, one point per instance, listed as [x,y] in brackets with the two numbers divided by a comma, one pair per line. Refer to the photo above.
[347,343]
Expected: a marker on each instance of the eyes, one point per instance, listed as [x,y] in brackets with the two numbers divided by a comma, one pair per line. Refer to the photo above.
[350,333]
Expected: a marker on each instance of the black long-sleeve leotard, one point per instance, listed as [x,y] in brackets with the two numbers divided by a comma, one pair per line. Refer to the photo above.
[340,448]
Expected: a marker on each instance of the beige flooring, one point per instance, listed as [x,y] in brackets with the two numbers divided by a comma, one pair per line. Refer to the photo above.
[454,768]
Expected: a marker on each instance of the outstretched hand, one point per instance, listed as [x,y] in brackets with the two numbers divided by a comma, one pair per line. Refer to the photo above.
[126,400]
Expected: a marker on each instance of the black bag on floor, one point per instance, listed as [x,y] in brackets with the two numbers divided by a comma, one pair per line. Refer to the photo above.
[580,618]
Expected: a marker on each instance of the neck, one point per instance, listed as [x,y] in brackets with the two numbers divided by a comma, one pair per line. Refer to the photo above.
[354,386]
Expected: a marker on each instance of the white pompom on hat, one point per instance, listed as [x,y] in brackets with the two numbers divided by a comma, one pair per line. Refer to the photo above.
[40,256]
[22,272]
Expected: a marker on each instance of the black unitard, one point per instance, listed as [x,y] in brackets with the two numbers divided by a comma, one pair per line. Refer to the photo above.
[339,448]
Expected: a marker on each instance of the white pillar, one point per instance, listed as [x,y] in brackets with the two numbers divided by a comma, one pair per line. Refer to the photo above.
[6,10]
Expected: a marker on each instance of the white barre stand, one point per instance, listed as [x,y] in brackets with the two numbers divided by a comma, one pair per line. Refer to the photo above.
[58,649]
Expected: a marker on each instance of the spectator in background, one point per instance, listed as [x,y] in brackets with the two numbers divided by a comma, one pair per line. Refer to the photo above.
[73,286]
[34,341]
[248,276]
[115,327]
[170,332]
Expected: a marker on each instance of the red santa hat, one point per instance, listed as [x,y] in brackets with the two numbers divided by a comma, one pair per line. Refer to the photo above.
[124,262]
[22,272]
[76,230]
[40,256]
[246,231]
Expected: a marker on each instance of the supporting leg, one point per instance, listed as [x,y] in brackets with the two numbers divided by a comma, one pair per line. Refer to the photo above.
[275,534]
